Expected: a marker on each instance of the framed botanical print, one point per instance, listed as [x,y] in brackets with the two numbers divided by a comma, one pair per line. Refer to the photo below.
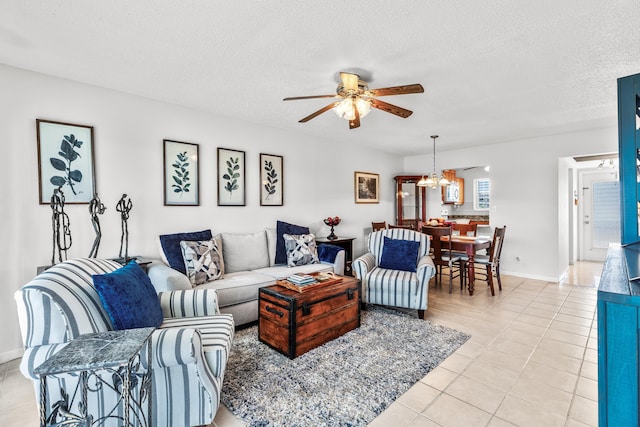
[367,186]
[181,174]
[231,177]
[271,180]
[65,161]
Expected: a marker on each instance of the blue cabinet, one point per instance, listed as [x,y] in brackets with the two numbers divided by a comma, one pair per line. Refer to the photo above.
[619,289]
[629,153]
[618,342]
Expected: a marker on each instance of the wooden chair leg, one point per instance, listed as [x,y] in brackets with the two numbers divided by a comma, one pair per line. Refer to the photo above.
[450,279]
[421,314]
[498,277]
[490,279]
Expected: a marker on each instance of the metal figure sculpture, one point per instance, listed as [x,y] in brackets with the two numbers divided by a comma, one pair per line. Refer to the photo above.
[59,219]
[96,208]
[124,207]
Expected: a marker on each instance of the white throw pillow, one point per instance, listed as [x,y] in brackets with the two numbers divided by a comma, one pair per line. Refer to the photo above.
[243,252]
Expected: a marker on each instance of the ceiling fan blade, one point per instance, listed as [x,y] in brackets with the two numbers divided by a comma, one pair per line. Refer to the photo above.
[294,98]
[349,81]
[355,123]
[389,108]
[320,111]
[397,90]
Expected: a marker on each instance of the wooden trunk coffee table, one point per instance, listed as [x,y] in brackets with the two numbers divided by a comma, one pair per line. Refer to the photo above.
[294,322]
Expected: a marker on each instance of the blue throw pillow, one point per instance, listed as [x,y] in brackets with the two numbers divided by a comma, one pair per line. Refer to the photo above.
[172,250]
[283,228]
[129,297]
[399,254]
[328,252]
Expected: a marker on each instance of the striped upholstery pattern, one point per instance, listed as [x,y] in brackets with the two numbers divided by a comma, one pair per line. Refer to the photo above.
[394,287]
[191,303]
[216,334]
[190,349]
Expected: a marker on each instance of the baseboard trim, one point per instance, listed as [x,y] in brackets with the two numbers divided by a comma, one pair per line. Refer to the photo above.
[8,356]
[530,276]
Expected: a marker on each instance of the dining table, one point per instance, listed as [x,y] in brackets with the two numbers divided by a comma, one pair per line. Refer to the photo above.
[470,245]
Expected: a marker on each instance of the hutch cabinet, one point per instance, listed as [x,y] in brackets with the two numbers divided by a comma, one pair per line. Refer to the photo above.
[619,288]
[411,206]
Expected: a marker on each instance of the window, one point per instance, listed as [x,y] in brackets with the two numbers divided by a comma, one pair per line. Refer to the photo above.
[481,194]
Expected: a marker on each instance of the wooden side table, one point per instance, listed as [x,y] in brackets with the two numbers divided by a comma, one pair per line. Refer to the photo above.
[117,353]
[345,243]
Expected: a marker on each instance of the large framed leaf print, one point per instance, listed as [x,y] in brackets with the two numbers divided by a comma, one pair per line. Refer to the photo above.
[181,174]
[65,161]
[231,177]
[271,180]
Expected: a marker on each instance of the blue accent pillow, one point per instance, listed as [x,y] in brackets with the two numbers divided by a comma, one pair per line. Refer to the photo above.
[399,254]
[328,252]
[283,228]
[173,252]
[129,297]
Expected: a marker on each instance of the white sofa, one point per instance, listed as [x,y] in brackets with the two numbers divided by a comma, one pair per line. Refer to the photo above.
[249,264]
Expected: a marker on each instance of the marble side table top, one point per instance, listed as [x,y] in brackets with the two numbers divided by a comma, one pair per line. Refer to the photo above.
[94,351]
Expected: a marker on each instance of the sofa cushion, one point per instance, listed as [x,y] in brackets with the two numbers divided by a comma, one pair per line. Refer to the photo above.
[240,287]
[244,252]
[283,228]
[202,261]
[171,247]
[399,254]
[301,249]
[129,298]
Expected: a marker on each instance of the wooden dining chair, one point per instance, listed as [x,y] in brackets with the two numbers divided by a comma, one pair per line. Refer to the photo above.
[377,226]
[492,261]
[443,256]
[407,227]
[465,229]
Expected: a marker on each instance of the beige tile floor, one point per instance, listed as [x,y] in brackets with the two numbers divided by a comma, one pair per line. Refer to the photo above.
[531,361]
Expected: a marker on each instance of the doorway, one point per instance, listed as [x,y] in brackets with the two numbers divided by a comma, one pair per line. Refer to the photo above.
[599,212]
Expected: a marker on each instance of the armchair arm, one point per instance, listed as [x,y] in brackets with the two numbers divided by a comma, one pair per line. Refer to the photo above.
[426,268]
[165,278]
[362,265]
[36,356]
[190,303]
[175,347]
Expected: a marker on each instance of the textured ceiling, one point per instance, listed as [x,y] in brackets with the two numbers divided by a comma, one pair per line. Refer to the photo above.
[492,71]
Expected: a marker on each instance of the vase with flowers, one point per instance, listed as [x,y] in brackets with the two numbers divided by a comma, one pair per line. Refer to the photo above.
[332,222]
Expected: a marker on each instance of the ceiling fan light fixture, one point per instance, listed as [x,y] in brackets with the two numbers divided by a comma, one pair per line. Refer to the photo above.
[345,110]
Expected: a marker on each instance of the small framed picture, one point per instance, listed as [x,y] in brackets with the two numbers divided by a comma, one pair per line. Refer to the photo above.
[271,180]
[181,174]
[65,161]
[367,186]
[231,177]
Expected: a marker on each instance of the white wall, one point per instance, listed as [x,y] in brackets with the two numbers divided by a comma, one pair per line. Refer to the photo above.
[525,193]
[128,131]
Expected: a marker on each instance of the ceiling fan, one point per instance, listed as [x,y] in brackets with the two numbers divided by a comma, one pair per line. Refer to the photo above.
[357,99]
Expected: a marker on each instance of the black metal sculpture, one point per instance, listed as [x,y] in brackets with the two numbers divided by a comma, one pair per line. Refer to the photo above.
[96,208]
[124,207]
[59,219]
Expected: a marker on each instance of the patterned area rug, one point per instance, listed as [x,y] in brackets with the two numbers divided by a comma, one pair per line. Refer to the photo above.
[346,382]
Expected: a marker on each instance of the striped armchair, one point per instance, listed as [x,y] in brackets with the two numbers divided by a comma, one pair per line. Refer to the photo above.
[395,288]
[189,350]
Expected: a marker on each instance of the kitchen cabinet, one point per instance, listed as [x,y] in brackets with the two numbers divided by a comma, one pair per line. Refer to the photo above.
[453,194]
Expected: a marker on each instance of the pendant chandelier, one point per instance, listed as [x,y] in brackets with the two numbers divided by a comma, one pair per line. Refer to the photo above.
[433,181]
